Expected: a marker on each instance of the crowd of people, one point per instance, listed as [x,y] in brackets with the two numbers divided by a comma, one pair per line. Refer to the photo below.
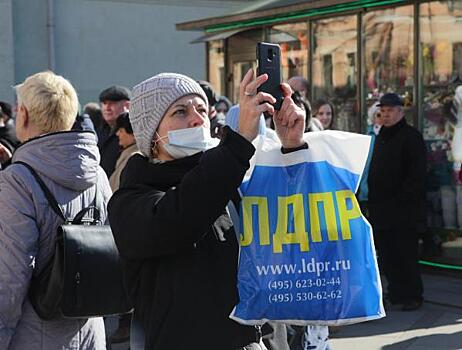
[167,157]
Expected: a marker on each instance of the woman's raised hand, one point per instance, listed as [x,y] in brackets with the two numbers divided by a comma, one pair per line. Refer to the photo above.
[252,104]
[289,121]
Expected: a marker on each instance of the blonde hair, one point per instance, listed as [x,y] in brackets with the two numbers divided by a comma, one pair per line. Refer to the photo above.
[50,100]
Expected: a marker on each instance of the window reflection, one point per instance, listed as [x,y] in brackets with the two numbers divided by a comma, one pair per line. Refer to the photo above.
[217,65]
[335,66]
[293,39]
[389,58]
[240,69]
[241,56]
[441,52]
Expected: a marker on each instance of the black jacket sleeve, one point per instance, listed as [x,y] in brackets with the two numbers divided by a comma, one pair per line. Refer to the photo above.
[148,222]
[415,168]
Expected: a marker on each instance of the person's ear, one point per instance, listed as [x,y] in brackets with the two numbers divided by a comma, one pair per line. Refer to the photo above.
[126,105]
[25,121]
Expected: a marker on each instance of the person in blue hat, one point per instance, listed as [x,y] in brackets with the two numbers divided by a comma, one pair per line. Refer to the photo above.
[397,202]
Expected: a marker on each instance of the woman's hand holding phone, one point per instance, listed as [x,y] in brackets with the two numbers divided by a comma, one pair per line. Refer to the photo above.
[289,120]
[252,104]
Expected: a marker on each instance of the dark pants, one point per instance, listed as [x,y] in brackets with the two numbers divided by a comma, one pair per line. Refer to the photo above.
[398,261]
[137,337]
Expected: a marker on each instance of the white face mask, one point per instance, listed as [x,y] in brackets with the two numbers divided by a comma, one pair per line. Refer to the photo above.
[186,142]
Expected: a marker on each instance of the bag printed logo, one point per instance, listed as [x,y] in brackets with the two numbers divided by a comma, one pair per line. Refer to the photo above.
[307,253]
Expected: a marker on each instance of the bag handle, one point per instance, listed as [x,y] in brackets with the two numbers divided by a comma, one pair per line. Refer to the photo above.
[96,215]
[46,191]
[94,207]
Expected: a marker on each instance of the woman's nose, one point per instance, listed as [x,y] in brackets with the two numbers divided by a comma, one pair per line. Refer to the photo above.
[196,118]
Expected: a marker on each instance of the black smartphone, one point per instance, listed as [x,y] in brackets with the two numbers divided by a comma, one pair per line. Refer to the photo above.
[269,62]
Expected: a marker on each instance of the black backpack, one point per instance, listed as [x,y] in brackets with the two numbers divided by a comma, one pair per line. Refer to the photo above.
[84,277]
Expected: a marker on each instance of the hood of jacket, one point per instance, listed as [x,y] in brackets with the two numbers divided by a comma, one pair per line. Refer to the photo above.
[69,158]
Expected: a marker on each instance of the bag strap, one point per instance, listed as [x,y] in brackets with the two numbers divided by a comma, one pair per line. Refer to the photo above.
[46,191]
[54,203]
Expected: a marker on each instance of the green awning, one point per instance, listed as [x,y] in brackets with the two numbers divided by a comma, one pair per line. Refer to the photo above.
[342,7]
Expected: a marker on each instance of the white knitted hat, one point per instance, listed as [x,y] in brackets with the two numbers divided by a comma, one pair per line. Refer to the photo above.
[152,98]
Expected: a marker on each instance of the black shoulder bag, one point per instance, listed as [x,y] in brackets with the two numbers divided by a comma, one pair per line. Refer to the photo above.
[84,277]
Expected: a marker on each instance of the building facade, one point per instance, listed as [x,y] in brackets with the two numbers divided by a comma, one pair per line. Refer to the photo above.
[351,52]
[97,43]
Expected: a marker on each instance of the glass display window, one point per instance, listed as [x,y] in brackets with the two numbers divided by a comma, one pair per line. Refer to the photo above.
[334,67]
[293,39]
[418,58]
[389,55]
[241,51]
[216,65]
[441,56]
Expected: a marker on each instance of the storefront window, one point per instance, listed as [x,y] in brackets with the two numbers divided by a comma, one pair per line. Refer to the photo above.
[441,53]
[217,65]
[334,68]
[389,55]
[240,69]
[241,57]
[293,39]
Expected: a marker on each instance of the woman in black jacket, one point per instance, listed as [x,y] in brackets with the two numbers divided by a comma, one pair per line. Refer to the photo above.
[169,216]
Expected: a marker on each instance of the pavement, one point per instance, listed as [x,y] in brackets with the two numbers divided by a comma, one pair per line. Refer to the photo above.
[437,325]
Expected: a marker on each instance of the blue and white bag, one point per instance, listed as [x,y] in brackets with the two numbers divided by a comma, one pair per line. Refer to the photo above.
[307,254]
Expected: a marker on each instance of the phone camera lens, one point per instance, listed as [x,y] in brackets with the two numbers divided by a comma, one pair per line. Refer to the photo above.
[270,55]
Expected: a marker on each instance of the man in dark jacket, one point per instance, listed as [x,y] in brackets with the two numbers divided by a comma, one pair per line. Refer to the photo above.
[397,202]
[115,100]
[8,140]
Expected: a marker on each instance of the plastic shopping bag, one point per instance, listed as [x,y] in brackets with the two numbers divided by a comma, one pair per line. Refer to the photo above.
[307,254]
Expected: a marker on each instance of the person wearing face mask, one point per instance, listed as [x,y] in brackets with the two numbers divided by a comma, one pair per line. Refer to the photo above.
[223,105]
[169,219]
